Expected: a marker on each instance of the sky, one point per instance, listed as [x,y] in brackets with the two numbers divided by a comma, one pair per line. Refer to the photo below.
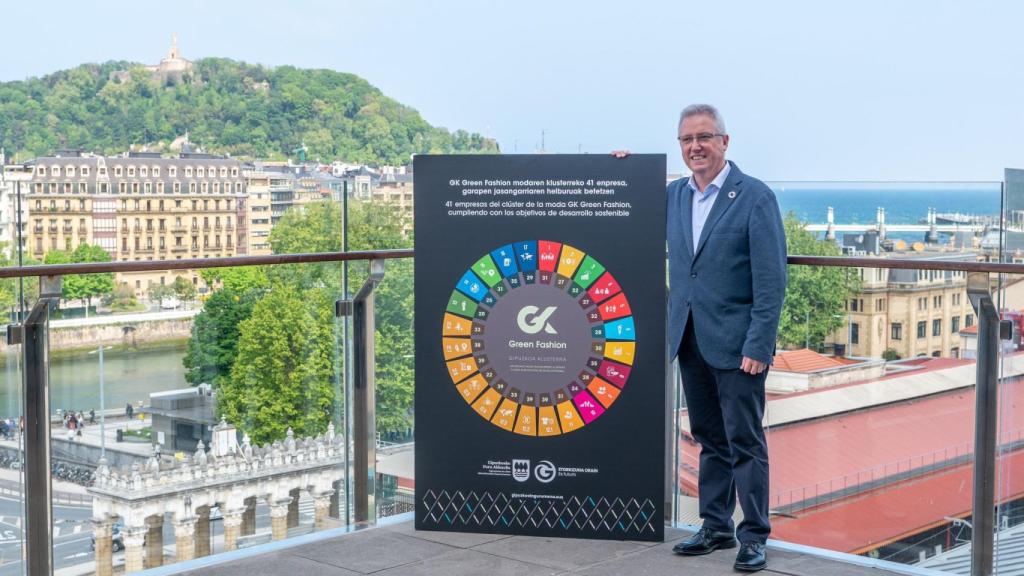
[903,90]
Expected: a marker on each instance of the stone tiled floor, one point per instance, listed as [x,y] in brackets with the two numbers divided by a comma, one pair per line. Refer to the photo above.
[400,550]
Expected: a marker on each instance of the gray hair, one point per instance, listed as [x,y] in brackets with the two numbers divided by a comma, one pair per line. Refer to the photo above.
[703,110]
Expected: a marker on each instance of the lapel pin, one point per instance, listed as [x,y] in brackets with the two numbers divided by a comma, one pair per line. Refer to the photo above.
[732,194]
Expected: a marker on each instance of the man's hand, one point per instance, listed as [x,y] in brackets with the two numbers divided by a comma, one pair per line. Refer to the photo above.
[752,367]
[620,153]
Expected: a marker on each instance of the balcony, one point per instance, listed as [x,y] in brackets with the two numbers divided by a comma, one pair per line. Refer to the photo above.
[68,229]
[178,229]
[870,458]
[83,231]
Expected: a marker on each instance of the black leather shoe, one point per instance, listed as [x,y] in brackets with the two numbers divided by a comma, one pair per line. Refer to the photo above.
[751,557]
[705,541]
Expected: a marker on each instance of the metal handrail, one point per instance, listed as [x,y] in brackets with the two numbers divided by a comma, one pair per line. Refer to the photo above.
[313,257]
[196,263]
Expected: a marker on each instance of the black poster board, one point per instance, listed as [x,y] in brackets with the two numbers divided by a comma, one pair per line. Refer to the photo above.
[540,354]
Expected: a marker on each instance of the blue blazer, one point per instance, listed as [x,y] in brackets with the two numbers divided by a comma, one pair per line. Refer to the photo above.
[733,281]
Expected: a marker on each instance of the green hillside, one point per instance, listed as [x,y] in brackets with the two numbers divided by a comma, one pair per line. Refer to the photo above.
[226,107]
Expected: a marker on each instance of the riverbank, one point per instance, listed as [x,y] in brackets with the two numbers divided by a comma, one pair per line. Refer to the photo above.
[124,332]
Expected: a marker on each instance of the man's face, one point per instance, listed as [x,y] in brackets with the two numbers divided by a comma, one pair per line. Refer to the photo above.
[706,159]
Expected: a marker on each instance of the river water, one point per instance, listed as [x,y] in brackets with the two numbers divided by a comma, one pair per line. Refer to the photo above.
[128,376]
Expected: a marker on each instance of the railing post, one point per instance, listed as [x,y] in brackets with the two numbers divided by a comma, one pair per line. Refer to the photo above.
[36,435]
[364,433]
[983,507]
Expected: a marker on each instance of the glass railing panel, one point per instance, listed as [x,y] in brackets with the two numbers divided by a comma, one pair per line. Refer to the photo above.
[395,381]
[202,424]
[1009,464]
[869,415]
[891,219]
[17,297]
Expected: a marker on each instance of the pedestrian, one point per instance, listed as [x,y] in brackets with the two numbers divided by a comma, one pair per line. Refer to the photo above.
[92,415]
[727,280]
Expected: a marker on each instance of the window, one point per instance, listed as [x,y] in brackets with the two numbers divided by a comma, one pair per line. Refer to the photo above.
[188,171]
[176,187]
[55,171]
[118,171]
[84,171]
[937,302]
[102,171]
[200,172]
[956,299]
[936,326]
[191,187]
[204,187]
[160,187]
[224,172]
[854,334]
[853,305]
[216,187]
[969,320]
[880,305]
[897,331]
[41,170]
[954,324]
[922,329]
[234,171]
[922,303]
[172,171]
[131,171]
[147,187]
[69,171]
[144,171]
[156,171]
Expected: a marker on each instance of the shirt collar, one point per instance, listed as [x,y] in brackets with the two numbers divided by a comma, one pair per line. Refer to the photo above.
[718,182]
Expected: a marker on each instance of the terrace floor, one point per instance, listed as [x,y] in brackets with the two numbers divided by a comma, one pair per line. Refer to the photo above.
[398,549]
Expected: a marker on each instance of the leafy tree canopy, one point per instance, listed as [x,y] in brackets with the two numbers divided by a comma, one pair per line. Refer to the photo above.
[815,296]
[226,109]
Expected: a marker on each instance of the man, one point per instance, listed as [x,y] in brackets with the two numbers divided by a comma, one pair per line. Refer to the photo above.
[727,274]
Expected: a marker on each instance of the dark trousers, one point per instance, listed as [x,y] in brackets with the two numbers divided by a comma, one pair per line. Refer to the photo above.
[725,409]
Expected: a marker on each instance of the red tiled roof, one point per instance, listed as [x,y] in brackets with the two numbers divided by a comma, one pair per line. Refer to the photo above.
[804,360]
[972,329]
[864,522]
[816,451]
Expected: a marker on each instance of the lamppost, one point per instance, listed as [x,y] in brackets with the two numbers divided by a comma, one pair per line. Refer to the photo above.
[103,407]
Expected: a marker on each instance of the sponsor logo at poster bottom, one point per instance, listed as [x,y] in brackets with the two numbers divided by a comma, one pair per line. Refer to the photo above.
[521,470]
[545,471]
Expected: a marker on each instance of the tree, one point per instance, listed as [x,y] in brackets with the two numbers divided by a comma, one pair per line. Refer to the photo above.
[283,376]
[815,296]
[213,345]
[16,291]
[83,286]
[183,289]
[122,298]
[159,292]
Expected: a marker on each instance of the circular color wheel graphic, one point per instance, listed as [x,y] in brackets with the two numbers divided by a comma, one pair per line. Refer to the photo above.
[538,338]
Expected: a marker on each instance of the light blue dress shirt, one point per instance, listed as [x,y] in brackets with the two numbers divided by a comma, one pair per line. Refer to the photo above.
[703,201]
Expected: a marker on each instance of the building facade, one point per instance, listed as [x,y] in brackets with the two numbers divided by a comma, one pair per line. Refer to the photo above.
[910,313]
[139,207]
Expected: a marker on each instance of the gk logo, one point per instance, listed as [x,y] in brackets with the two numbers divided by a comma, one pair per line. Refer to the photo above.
[538,322]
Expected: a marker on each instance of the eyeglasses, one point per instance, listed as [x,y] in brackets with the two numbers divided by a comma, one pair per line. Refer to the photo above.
[702,138]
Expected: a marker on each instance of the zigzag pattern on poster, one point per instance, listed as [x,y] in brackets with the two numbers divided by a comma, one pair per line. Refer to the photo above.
[586,513]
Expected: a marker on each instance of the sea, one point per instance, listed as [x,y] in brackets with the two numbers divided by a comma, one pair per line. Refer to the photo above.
[904,203]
